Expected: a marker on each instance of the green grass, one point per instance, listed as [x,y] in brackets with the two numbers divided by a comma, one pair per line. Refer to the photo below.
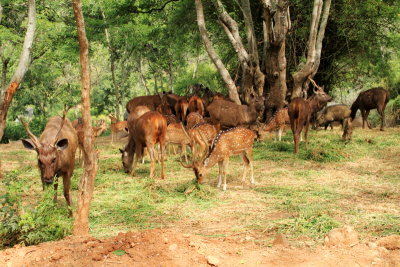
[328,184]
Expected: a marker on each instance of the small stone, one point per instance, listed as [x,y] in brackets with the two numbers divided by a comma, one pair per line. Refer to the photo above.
[192,244]
[248,238]
[173,247]
[213,261]
[280,240]
[372,245]
[166,240]
[186,235]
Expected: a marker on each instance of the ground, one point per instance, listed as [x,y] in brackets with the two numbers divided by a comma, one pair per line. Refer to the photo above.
[174,222]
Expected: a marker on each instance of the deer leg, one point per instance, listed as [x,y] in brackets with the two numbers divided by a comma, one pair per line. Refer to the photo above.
[136,156]
[162,148]
[184,152]
[55,190]
[306,132]
[280,134]
[220,170]
[366,119]
[249,154]
[225,163]
[382,113]
[67,186]
[153,160]
[246,165]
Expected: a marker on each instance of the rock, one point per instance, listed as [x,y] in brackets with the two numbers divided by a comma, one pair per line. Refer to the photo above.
[173,247]
[344,236]
[166,240]
[372,245]
[391,242]
[186,235]
[280,240]
[213,261]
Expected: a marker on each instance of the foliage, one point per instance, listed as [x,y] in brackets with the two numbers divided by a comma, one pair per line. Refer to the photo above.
[30,225]
[16,131]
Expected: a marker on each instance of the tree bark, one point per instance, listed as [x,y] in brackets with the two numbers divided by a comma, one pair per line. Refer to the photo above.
[276,25]
[112,66]
[317,32]
[86,185]
[22,67]
[229,83]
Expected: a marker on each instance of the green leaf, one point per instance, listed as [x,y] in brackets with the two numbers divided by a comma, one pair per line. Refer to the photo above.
[119,252]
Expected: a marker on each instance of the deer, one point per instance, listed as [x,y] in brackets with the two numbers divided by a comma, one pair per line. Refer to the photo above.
[96,131]
[374,98]
[339,112]
[181,108]
[301,110]
[193,118]
[56,149]
[146,131]
[234,141]
[171,119]
[117,127]
[277,122]
[202,134]
[176,134]
[196,105]
[151,101]
[230,114]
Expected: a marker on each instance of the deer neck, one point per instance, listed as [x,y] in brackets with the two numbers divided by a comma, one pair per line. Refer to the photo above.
[211,160]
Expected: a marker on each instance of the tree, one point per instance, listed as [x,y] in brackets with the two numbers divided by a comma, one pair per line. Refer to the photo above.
[24,61]
[86,185]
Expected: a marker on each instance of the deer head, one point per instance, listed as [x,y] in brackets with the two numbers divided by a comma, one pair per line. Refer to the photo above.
[127,159]
[200,170]
[48,152]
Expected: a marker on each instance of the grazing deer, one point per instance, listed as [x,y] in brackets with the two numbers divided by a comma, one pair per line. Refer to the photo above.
[300,112]
[202,134]
[196,105]
[176,134]
[96,131]
[193,118]
[374,98]
[278,122]
[146,131]
[333,113]
[56,149]
[234,141]
[230,114]
[181,108]
[117,127]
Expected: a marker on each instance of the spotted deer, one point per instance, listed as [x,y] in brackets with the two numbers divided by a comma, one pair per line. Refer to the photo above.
[277,123]
[234,141]
[202,134]
[193,118]
[117,127]
[56,149]
[176,134]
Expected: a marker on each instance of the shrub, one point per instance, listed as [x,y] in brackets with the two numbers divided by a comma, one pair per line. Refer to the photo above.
[15,130]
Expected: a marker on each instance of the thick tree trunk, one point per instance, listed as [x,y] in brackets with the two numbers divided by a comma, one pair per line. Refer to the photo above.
[22,67]
[112,67]
[229,83]
[86,185]
[317,32]
[276,25]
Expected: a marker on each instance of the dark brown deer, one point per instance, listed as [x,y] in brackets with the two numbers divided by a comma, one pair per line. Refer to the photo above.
[146,131]
[117,127]
[374,98]
[339,112]
[56,149]
[193,118]
[234,141]
[176,134]
[300,112]
[202,134]
[151,101]
[138,112]
[196,105]
[230,114]
[181,108]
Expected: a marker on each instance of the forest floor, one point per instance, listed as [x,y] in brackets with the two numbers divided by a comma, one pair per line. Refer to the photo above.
[138,221]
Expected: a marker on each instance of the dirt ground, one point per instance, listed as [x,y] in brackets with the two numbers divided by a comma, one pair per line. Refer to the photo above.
[166,247]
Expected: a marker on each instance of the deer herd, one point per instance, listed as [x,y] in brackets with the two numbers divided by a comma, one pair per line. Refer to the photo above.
[212,126]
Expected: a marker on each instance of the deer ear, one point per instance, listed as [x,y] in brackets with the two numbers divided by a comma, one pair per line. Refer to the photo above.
[126,129]
[62,144]
[28,144]
[121,150]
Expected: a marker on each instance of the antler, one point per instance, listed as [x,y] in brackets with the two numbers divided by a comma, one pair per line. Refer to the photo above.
[315,84]
[62,122]
[32,136]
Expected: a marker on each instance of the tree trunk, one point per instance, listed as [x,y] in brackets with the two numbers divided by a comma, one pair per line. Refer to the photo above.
[317,32]
[86,185]
[276,25]
[112,66]
[229,83]
[142,78]
[22,67]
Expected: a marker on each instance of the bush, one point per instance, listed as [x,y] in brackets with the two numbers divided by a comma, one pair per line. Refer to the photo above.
[30,225]
[16,131]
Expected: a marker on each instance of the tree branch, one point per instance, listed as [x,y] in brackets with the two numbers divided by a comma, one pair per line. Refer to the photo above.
[151,10]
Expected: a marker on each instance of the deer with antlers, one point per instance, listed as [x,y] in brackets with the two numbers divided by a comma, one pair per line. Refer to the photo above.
[301,110]
[56,149]
[234,141]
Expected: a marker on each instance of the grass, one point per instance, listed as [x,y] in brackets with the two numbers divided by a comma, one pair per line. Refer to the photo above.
[328,184]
